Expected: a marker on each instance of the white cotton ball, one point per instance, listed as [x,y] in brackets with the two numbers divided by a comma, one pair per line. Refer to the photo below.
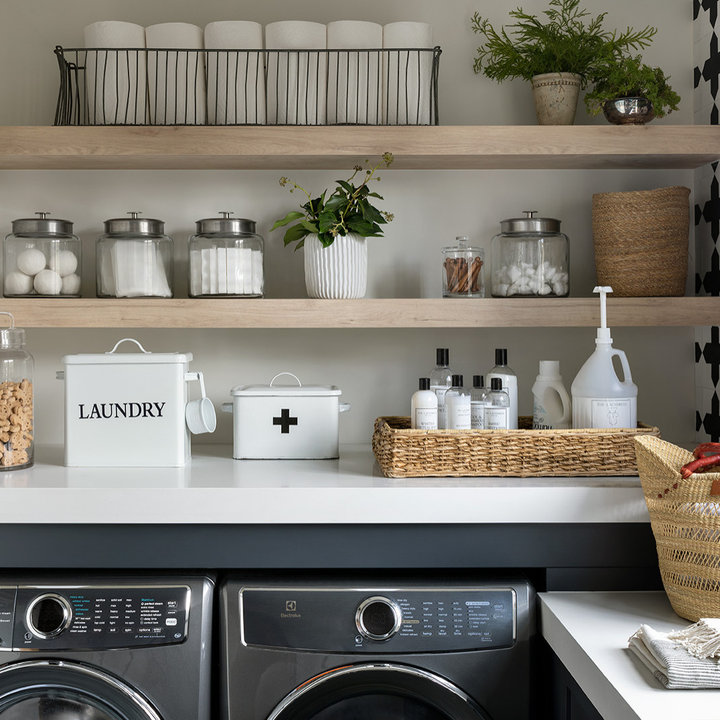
[18,283]
[545,289]
[47,282]
[501,290]
[559,288]
[63,263]
[514,274]
[31,261]
[70,285]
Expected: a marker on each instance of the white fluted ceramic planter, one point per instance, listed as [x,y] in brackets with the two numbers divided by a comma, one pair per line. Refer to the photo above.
[337,271]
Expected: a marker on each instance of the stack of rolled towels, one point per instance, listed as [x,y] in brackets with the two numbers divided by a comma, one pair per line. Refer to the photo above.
[237,72]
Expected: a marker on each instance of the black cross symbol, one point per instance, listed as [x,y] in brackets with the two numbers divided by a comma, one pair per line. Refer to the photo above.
[285,421]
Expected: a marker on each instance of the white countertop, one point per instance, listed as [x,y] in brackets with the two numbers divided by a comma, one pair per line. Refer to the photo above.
[589,632]
[213,488]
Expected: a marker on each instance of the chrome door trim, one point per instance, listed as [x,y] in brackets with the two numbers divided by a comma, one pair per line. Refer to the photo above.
[129,693]
[352,670]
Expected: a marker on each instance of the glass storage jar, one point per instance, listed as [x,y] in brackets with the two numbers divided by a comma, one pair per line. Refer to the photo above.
[16,399]
[530,257]
[41,258]
[226,258]
[134,258]
[462,270]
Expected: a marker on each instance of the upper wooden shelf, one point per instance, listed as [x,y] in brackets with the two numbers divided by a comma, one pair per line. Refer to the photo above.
[442,147]
[366,313]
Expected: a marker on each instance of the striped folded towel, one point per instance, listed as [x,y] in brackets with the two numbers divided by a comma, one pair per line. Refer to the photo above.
[682,659]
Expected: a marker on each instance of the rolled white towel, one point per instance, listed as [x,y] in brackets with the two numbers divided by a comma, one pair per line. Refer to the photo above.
[235,80]
[296,81]
[176,79]
[354,86]
[407,74]
[115,78]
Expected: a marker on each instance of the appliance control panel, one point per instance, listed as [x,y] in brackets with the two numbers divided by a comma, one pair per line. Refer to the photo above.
[379,621]
[92,617]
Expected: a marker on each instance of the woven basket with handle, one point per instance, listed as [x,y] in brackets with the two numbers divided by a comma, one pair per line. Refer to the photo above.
[641,241]
[685,519]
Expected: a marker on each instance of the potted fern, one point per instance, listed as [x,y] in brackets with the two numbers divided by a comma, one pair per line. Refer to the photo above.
[558,53]
[630,92]
[333,228]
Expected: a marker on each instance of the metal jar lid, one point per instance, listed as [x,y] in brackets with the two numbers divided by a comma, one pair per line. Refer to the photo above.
[530,223]
[134,225]
[225,225]
[42,225]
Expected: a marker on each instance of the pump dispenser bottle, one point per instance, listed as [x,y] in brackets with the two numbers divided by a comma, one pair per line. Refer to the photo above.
[440,382]
[509,384]
[600,399]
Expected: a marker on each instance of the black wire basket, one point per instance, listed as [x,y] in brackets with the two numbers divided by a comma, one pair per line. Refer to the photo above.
[143,86]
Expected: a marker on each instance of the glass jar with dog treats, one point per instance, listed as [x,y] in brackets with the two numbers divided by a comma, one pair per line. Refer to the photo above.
[16,398]
[462,270]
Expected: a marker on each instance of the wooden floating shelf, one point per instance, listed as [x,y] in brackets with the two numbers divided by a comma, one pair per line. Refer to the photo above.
[431,148]
[366,313]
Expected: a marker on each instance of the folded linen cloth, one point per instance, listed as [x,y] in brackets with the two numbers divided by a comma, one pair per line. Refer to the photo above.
[671,663]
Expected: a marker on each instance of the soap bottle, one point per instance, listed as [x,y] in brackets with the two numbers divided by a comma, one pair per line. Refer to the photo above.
[478,398]
[551,402]
[509,383]
[457,405]
[440,382]
[497,410]
[600,399]
[423,407]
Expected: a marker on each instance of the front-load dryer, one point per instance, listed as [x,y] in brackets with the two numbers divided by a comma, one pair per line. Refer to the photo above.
[352,649]
[105,648]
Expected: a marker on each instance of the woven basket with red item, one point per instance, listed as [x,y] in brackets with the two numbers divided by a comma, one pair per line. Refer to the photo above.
[685,520]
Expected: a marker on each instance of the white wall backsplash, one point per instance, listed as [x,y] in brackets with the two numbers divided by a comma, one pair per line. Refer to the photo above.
[376,369]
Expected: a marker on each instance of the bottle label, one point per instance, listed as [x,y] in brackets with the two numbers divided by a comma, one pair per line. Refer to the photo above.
[497,418]
[477,415]
[425,419]
[541,421]
[440,391]
[611,413]
[458,413]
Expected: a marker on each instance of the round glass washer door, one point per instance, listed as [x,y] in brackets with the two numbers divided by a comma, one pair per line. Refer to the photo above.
[59,690]
[370,691]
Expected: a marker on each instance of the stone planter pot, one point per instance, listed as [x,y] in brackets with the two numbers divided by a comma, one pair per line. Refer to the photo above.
[336,271]
[556,97]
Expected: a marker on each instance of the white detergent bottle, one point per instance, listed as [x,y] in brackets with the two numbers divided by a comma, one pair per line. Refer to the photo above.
[600,399]
[551,402]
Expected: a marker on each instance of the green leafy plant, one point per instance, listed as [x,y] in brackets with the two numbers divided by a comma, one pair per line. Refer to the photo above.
[567,41]
[348,209]
[625,76]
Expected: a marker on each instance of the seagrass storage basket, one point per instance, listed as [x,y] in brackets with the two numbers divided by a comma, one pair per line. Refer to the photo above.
[402,452]
[685,519]
[641,241]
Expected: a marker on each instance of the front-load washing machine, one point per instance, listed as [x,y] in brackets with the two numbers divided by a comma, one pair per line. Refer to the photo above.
[351,649]
[106,648]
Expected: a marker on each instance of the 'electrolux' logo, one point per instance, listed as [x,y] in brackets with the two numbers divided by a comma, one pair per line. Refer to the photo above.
[113,410]
[290,610]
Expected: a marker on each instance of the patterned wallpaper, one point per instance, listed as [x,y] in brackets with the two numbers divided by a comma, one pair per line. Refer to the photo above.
[706,29]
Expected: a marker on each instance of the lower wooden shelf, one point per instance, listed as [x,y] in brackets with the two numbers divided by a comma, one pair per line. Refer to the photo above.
[365,313]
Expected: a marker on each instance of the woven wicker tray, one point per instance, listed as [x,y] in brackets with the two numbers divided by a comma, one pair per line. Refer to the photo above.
[402,452]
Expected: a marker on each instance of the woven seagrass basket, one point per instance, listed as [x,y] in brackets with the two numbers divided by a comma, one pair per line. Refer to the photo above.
[685,521]
[641,241]
[402,452]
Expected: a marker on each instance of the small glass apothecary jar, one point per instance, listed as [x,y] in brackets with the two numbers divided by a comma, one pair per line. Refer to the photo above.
[134,258]
[16,398]
[530,257]
[226,258]
[42,258]
[462,270]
